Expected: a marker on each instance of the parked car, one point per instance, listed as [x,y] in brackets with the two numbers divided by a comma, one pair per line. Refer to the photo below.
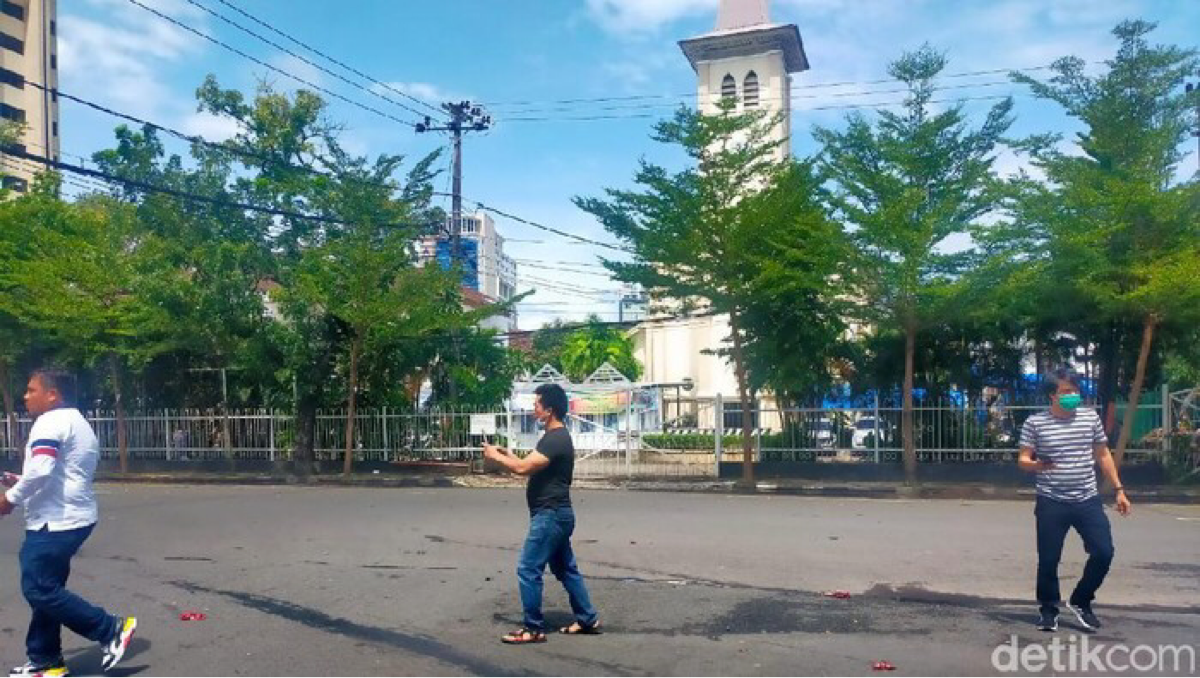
[864,432]
[823,433]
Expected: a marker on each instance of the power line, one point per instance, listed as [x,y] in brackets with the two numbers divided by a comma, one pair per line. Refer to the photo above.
[806,86]
[794,97]
[306,60]
[568,286]
[325,56]
[276,69]
[690,319]
[550,267]
[591,293]
[196,139]
[17,164]
[237,151]
[879,104]
[548,229]
[584,264]
[184,195]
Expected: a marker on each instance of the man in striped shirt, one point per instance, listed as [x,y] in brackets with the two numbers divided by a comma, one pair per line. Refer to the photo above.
[1063,446]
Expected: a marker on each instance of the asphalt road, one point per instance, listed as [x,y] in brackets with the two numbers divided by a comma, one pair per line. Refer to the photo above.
[343,581]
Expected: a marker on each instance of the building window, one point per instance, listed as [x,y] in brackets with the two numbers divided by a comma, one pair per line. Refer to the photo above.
[54,127]
[53,28]
[15,184]
[729,89]
[12,113]
[53,61]
[13,10]
[12,78]
[12,44]
[733,417]
[750,90]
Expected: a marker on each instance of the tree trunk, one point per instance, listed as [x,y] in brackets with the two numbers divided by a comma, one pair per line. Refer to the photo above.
[348,460]
[10,408]
[1110,352]
[739,367]
[119,403]
[1135,392]
[906,417]
[306,425]
[1038,364]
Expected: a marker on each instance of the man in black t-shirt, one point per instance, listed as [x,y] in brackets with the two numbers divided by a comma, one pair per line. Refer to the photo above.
[552,520]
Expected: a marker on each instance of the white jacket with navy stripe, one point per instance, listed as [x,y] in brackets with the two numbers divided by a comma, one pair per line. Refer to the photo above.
[56,483]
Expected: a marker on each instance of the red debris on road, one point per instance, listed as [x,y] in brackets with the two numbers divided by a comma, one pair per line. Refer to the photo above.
[193,616]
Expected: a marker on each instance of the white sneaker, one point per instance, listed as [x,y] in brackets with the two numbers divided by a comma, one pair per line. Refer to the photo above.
[115,649]
[29,670]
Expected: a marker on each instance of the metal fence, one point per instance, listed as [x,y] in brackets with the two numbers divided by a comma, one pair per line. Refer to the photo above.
[635,443]
[963,431]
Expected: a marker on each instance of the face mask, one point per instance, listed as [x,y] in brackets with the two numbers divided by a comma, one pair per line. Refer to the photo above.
[1070,401]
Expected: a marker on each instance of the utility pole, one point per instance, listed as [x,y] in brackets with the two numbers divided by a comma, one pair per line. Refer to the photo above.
[464,117]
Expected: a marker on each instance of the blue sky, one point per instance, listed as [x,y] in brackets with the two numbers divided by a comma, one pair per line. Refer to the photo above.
[504,51]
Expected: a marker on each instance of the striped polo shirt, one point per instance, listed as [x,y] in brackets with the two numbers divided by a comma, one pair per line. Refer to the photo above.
[1069,443]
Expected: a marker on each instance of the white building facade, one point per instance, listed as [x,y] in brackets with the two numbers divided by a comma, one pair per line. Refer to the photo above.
[29,57]
[489,271]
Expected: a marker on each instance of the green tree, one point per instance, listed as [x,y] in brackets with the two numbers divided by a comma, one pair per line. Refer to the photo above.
[282,144]
[15,336]
[738,225]
[91,282]
[905,184]
[586,349]
[18,337]
[1116,228]
[351,292]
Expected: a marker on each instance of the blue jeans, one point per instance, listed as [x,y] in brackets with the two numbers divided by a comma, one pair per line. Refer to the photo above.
[1054,520]
[549,543]
[45,566]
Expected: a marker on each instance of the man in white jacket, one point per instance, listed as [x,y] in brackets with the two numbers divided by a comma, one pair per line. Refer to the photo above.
[55,489]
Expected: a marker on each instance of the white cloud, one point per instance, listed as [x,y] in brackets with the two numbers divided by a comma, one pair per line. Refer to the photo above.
[645,15]
[210,127]
[118,61]
[641,70]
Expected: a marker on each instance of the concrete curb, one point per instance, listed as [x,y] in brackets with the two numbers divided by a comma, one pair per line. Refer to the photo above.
[260,480]
[890,491]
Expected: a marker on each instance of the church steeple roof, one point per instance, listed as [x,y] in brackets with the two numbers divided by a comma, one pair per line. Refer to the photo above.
[744,28]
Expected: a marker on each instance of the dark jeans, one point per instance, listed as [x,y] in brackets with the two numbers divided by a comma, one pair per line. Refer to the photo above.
[1054,520]
[45,566]
[549,543]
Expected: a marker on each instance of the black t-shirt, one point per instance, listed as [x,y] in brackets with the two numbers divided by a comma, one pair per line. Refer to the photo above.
[551,487]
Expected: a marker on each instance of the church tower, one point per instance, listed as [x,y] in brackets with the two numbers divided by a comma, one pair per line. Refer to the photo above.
[750,60]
